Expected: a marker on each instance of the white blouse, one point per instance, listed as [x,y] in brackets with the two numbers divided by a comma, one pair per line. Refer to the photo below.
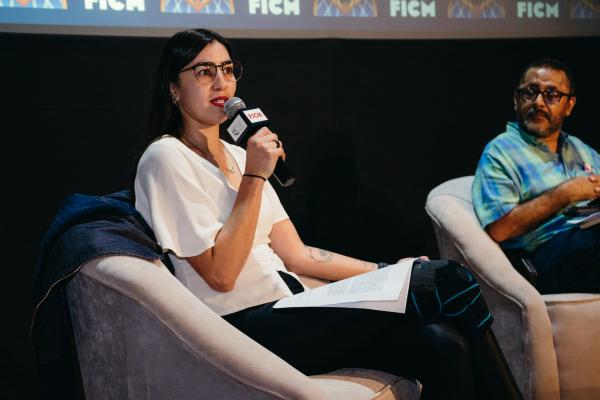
[186,200]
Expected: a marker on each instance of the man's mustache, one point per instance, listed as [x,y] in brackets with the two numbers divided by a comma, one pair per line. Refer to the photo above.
[534,112]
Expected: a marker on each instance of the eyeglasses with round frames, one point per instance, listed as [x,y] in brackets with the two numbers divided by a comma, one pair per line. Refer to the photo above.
[206,72]
[550,95]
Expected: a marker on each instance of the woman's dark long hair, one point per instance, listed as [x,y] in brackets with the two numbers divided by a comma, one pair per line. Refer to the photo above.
[164,116]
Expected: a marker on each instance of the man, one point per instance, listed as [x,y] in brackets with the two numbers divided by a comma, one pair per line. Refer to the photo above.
[529,174]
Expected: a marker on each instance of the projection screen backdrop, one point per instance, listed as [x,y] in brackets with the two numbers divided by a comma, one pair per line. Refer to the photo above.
[307,18]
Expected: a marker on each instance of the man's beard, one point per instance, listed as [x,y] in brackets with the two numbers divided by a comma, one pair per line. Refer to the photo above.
[534,129]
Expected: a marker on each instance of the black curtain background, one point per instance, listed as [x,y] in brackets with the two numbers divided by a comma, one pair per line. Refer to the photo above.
[370,127]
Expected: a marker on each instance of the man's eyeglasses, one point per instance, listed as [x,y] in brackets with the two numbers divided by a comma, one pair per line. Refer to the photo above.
[206,72]
[550,95]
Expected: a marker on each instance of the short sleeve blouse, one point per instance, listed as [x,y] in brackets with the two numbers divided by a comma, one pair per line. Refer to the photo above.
[186,200]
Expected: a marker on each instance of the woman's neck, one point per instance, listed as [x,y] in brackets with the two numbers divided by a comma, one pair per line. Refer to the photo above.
[206,140]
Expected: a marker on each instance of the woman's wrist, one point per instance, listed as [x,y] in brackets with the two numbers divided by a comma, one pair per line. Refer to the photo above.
[255,176]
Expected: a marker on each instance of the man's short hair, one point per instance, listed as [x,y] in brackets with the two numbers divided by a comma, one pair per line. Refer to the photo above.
[552,64]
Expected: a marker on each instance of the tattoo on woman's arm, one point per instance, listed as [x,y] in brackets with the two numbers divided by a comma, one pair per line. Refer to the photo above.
[319,255]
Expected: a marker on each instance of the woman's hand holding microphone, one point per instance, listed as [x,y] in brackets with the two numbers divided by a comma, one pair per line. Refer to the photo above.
[262,151]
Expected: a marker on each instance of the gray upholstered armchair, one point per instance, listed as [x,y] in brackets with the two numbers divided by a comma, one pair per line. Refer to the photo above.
[140,334]
[552,342]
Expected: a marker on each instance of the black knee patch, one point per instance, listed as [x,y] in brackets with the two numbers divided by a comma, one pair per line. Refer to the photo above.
[423,290]
[446,289]
[456,285]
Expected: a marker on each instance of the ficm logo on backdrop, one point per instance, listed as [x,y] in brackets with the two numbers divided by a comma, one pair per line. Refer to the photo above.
[412,8]
[115,5]
[274,7]
[538,9]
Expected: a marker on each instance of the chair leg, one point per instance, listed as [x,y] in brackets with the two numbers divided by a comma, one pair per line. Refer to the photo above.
[493,378]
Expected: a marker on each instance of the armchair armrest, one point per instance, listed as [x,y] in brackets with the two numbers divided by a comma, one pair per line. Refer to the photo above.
[194,337]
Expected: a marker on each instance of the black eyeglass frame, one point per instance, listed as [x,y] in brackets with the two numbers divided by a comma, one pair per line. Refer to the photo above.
[544,93]
[222,66]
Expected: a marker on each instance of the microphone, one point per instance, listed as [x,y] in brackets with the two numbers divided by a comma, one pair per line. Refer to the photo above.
[244,123]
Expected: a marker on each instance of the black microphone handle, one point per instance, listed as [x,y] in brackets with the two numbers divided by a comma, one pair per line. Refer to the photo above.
[283,174]
[240,136]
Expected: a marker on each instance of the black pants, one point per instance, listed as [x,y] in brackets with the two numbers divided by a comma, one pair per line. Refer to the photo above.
[569,262]
[432,342]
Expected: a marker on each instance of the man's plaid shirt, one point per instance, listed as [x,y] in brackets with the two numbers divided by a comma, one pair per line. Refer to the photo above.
[515,167]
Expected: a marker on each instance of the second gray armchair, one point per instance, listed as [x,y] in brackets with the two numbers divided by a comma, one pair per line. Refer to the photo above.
[551,342]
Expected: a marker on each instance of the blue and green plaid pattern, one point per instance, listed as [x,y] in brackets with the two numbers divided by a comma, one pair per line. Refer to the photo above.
[515,167]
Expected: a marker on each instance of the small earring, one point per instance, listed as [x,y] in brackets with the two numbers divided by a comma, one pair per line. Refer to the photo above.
[175,100]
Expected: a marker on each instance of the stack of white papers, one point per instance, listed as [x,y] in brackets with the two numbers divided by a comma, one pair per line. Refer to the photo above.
[384,289]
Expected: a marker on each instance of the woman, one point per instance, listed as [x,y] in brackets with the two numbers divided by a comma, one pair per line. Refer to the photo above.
[233,246]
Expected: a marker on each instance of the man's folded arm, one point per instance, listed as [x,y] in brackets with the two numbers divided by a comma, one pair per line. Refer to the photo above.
[530,214]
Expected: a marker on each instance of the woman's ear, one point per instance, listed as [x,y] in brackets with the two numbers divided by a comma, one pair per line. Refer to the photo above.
[174,94]
[172,88]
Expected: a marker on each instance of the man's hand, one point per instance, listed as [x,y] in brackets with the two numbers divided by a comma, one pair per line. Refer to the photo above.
[580,188]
